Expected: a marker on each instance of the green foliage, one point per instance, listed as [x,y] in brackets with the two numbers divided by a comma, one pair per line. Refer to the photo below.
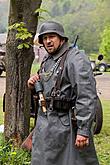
[10,155]
[84,17]
[22,33]
[40,11]
[93,56]
[23,45]
[105,44]
[35,68]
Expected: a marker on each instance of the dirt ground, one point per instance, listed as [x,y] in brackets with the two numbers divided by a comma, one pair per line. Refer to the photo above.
[103,86]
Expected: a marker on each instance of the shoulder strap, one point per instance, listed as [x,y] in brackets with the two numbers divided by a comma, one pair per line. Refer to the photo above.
[61,66]
[58,81]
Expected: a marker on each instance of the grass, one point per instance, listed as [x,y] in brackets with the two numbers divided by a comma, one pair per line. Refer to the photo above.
[1,111]
[10,155]
[102,141]
[107,72]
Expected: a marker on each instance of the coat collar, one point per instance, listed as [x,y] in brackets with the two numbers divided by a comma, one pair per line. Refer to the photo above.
[61,51]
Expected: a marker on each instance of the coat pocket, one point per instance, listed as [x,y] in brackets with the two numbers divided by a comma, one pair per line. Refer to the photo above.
[64,118]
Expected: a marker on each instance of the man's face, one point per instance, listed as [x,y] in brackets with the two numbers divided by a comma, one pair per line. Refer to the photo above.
[52,42]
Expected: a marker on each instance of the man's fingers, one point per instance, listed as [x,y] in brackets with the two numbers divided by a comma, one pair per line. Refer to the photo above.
[81,141]
[32,80]
[81,144]
[87,142]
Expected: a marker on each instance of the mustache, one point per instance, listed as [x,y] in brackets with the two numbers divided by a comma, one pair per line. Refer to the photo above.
[49,44]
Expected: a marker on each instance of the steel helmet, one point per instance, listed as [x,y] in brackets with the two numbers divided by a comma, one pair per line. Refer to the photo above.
[51,27]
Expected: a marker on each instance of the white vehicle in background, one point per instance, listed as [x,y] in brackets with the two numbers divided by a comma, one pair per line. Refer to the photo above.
[100,66]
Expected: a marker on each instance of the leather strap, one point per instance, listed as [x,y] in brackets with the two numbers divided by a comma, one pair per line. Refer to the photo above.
[61,66]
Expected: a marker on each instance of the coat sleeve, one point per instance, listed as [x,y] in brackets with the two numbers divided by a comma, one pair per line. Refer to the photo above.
[84,86]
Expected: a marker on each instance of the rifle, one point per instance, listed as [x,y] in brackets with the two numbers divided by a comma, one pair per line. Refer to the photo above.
[27,144]
[75,41]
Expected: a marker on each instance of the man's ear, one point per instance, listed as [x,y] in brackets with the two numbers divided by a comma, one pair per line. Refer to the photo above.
[62,40]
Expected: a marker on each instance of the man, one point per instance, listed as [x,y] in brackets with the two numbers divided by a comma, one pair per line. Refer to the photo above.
[70,90]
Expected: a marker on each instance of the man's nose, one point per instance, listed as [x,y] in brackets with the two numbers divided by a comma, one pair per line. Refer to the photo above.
[48,40]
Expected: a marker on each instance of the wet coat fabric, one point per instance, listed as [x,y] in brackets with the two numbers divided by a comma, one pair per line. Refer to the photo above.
[54,135]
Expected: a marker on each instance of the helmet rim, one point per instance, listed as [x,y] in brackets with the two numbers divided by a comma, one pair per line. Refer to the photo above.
[51,27]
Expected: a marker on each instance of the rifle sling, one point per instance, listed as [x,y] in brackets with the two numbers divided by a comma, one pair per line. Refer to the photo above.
[61,66]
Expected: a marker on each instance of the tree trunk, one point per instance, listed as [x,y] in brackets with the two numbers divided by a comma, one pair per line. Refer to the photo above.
[18,66]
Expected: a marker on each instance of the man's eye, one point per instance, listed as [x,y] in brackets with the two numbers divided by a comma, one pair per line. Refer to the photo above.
[44,38]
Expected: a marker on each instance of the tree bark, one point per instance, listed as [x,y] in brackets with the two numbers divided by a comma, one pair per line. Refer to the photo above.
[18,66]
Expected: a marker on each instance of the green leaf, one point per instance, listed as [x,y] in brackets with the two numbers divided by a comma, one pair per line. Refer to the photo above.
[26,45]
[20,46]
[40,10]
[41,18]
[22,34]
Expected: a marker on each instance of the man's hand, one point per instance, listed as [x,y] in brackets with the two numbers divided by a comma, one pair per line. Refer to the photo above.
[81,141]
[32,81]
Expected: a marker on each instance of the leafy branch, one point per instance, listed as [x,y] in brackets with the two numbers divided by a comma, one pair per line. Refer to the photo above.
[22,34]
[40,11]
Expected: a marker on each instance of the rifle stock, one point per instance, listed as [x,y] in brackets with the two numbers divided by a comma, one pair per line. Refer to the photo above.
[27,144]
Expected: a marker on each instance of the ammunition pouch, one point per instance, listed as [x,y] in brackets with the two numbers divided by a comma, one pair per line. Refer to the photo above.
[60,105]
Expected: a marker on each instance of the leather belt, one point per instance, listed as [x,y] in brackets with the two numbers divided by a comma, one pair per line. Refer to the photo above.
[59,105]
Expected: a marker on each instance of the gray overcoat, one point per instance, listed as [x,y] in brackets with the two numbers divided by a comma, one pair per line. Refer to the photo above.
[54,135]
